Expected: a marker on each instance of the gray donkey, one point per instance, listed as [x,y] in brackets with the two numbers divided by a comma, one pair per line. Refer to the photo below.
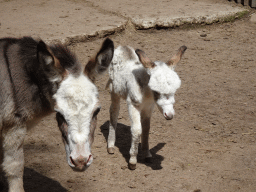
[36,80]
[142,83]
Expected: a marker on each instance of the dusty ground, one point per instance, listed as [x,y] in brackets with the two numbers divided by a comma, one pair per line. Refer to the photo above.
[210,144]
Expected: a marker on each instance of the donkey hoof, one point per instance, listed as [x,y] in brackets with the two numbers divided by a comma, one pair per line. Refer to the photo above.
[132,166]
[148,159]
[111,150]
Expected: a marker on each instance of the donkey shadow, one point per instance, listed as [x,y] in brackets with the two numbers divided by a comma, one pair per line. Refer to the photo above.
[123,143]
[34,181]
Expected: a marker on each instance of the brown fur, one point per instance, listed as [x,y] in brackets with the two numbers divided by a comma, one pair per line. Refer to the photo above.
[146,62]
[177,57]
[97,64]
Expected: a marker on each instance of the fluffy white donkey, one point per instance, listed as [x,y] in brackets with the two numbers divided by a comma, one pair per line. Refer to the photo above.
[141,82]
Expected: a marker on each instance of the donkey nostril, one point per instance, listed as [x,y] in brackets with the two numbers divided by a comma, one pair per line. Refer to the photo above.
[166,116]
[72,161]
[88,159]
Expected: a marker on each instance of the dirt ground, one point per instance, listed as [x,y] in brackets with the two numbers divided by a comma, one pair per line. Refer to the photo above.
[209,146]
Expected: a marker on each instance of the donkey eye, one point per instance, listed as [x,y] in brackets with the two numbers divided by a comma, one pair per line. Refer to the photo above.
[156,94]
[96,112]
[59,115]
[60,118]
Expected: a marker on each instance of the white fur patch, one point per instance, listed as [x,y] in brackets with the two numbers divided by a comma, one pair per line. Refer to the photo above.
[163,79]
[76,99]
[48,60]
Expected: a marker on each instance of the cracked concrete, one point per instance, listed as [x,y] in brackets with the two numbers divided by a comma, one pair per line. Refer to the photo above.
[169,13]
[78,20]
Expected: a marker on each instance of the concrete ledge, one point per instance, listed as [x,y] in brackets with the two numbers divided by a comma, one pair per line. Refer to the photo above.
[85,37]
[253,18]
[51,20]
[175,22]
[171,13]
[75,21]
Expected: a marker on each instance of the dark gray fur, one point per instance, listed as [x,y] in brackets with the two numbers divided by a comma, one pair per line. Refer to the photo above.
[25,89]
[27,85]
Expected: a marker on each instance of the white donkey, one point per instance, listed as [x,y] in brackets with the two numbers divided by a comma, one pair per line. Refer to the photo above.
[134,77]
[35,80]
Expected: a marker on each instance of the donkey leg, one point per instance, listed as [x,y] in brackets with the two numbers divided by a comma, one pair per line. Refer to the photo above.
[114,112]
[1,161]
[145,122]
[136,133]
[13,157]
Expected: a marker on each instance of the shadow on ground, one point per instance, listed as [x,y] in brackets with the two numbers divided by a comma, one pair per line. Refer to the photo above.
[123,143]
[36,182]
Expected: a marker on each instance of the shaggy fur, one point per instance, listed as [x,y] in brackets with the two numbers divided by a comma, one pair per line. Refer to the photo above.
[141,82]
[35,80]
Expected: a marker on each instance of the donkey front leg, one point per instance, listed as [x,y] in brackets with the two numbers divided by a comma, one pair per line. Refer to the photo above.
[145,121]
[136,133]
[1,161]
[13,157]
[114,112]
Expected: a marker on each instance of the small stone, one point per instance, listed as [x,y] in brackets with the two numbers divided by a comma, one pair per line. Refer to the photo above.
[146,175]
[64,16]
[124,167]
[253,18]
[203,35]
[70,181]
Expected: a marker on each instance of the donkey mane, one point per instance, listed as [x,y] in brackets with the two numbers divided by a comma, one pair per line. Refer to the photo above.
[67,59]
[28,52]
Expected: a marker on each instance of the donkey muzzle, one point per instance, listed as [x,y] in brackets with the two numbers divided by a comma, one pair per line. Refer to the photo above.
[81,162]
[168,116]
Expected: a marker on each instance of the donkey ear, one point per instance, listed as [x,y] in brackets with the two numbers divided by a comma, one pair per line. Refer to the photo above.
[146,62]
[45,56]
[176,58]
[101,61]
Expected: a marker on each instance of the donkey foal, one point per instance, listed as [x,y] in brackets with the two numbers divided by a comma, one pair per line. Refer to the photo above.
[134,77]
[36,80]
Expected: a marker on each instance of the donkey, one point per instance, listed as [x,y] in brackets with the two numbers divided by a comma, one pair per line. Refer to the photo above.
[37,79]
[141,82]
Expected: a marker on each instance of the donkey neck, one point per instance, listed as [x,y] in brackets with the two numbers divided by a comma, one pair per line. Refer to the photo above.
[32,91]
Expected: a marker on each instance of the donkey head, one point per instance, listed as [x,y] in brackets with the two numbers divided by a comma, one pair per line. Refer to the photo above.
[164,81]
[77,103]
